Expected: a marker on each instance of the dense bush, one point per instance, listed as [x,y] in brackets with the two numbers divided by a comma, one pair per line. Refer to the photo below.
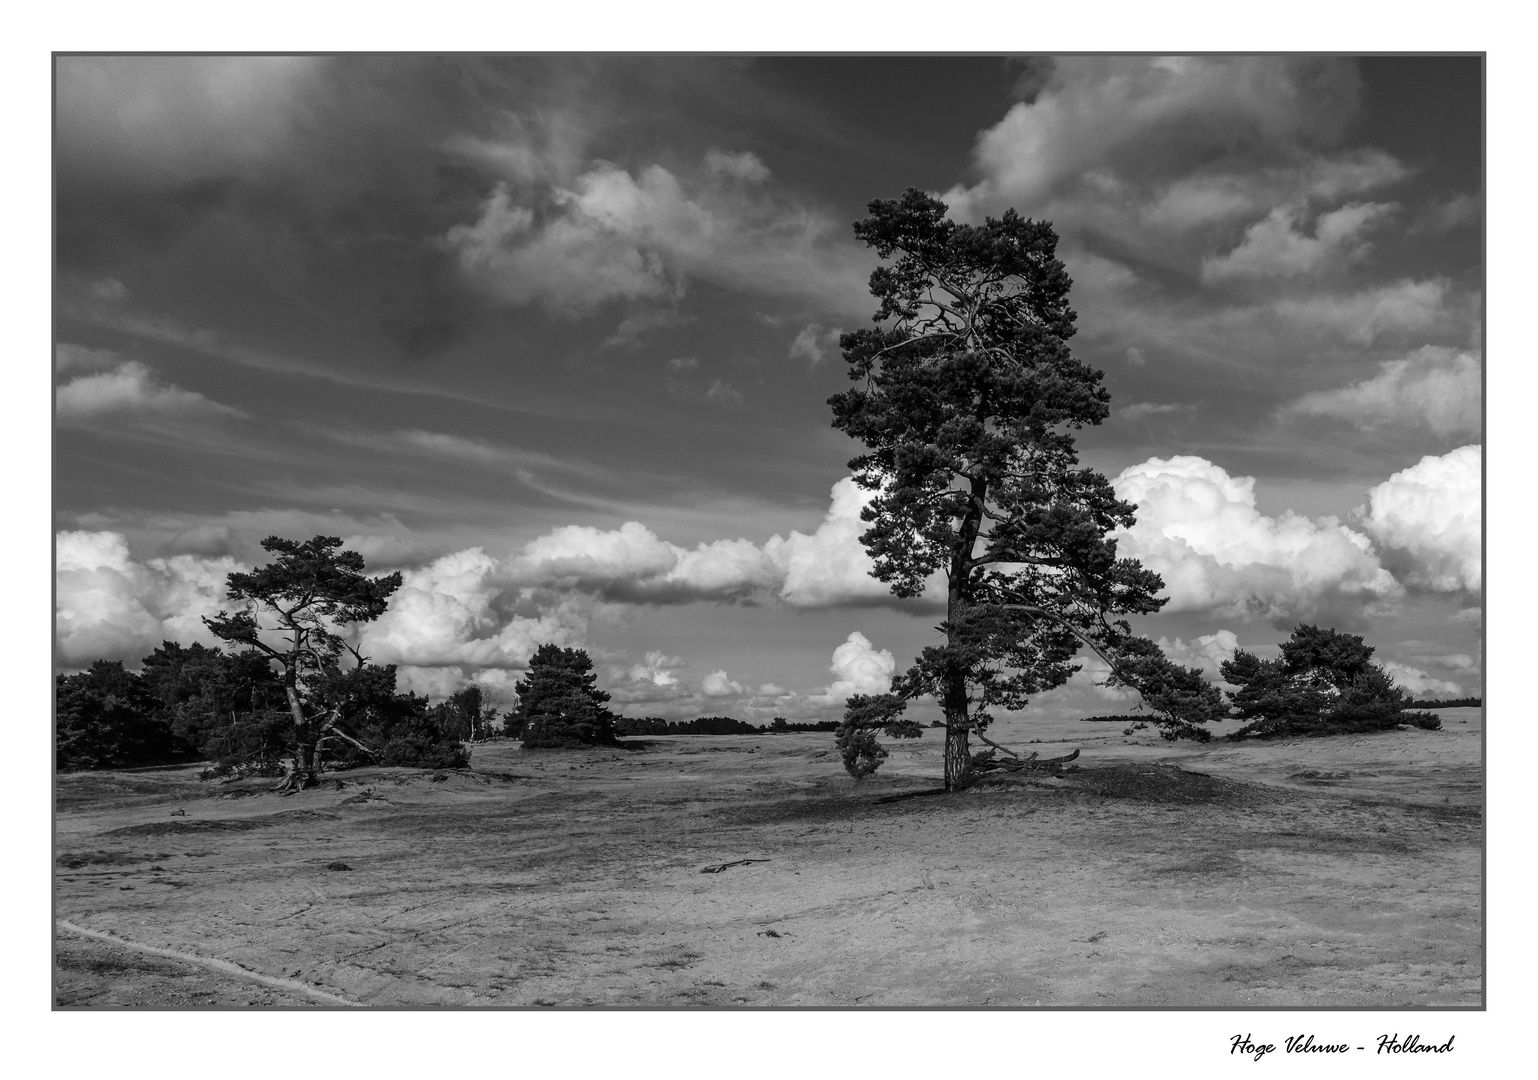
[1324,683]
[197,703]
[423,752]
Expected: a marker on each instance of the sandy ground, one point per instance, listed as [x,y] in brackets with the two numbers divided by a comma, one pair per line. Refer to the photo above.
[1320,872]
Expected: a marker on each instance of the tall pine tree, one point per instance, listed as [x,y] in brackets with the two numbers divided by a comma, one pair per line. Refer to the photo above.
[967,397]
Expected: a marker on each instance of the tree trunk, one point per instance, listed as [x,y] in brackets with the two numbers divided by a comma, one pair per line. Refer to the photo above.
[957,756]
[303,775]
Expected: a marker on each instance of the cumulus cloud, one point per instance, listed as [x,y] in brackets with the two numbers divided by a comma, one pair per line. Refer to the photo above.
[657,669]
[610,234]
[723,393]
[632,564]
[1429,521]
[829,566]
[742,165]
[1205,653]
[446,614]
[1418,683]
[718,684]
[130,389]
[111,606]
[1275,246]
[1198,528]
[1109,112]
[860,668]
[1434,387]
[814,343]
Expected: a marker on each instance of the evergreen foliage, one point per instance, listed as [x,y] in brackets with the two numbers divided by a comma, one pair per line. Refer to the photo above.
[229,709]
[559,703]
[105,718]
[966,399]
[1323,683]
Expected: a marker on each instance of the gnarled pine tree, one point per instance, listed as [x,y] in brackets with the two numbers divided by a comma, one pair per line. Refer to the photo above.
[967,399]
[305,600]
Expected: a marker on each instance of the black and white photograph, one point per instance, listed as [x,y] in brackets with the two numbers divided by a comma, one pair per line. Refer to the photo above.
[760,531]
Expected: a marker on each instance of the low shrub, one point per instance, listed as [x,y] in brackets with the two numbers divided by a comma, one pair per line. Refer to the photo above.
[415,751]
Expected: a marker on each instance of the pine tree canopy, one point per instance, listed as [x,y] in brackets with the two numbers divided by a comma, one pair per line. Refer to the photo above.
[559,703]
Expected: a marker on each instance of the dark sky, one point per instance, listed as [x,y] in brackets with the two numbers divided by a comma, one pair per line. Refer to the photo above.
[555,334]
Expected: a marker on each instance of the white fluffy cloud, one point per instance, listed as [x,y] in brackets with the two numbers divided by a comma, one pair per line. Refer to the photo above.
[633,564]
[111,606]
[742,165]
[824,568]
[829,566]
[657,669]
[1429,521]
[444,614]
[609,234]
[814,343]
[1206,652]
[1200,530]
[718,684]
[860,668]
[1435,387]
[130,389]
[1099,112]
[1275,246]
[1418,683]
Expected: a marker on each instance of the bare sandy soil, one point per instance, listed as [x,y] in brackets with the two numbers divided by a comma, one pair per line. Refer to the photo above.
[1319,872]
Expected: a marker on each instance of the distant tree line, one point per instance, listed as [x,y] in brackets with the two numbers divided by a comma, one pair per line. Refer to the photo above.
[713,725]
[560,705]
[1449,703]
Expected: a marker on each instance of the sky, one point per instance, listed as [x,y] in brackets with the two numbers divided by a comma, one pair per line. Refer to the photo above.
[554,337]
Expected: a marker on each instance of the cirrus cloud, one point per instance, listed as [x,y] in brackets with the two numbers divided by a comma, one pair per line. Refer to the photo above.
[130,389]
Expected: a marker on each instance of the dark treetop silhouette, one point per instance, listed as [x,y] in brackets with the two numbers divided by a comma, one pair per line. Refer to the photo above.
[308,597]
[559,703]
[968,392]
[1323,683]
